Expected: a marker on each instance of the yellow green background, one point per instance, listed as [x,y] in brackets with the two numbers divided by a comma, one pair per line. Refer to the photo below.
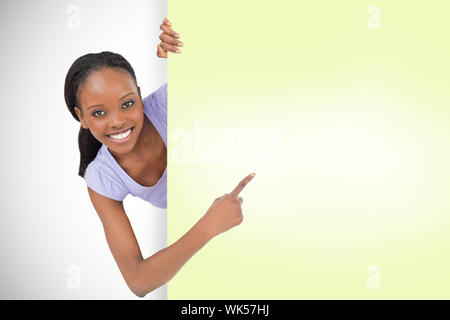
[364,145]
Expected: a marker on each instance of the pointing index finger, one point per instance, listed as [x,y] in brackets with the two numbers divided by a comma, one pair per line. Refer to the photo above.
[242,185]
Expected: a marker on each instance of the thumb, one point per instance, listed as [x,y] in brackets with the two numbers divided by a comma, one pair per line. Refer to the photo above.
[161,52]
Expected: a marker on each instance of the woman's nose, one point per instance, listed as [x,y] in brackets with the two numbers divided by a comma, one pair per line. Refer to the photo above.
[118,120]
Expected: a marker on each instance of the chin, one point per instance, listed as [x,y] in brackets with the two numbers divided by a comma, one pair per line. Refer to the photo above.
[126,148]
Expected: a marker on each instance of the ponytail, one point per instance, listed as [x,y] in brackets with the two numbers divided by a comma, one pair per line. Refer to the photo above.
[76,77]
[89,147]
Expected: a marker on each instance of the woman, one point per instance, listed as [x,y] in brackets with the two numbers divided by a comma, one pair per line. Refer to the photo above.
[123,150]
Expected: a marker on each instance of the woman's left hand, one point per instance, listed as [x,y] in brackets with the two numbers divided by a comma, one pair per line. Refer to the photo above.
[169,40]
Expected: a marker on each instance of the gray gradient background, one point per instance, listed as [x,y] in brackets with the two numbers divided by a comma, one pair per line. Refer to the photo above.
[47,221]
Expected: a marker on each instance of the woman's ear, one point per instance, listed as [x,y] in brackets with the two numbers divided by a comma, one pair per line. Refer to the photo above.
[139,91]
[81,118]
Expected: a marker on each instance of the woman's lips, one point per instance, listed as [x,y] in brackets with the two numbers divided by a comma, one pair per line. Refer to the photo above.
[122,137]
[119,132]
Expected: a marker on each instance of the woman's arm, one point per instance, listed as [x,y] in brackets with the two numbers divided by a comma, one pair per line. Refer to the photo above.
[119,235]
[143,276]
[223,214]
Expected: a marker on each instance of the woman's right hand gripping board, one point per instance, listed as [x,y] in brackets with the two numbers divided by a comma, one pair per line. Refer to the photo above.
[225,212]
[169,40]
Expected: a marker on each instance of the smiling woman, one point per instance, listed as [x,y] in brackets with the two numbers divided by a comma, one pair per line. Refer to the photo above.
[132,133]
[107,102]
[123,151]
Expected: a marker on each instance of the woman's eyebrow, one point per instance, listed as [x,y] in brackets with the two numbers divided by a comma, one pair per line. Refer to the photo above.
[100,105]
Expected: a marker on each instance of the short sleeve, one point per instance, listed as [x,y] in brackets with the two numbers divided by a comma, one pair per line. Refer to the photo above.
[103,183]
[158,100]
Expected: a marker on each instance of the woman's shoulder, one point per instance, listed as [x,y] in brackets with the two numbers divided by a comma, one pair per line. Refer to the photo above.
[156,102]
[102,167]
[159,94]
[104,179]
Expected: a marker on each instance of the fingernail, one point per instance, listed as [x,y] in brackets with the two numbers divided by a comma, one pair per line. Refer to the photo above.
[177,51]
[180,44]
[168,22]
[253,174]
[177,35]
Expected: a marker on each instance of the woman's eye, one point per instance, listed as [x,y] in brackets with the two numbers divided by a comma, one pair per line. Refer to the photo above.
[98,113]
[128,104]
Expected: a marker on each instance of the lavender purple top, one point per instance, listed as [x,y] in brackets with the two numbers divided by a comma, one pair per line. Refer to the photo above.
[106,177]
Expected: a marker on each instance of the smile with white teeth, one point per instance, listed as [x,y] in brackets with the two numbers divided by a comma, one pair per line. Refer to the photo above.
[120,136]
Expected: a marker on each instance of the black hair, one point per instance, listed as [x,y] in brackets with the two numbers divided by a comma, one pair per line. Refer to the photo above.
[76,78]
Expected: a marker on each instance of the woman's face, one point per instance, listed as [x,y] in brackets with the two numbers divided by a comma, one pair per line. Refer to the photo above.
[112,109]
